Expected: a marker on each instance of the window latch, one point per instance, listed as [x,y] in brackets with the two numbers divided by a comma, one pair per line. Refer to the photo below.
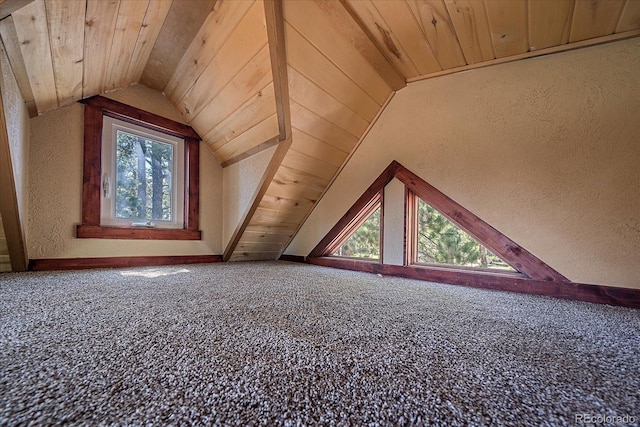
[105,186]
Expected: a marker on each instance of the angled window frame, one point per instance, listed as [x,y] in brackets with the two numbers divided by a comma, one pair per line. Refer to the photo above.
[377,202]
[411,248]
[96,108]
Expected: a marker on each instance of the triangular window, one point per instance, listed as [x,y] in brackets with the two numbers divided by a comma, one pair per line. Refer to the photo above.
[361,238]
[440,241]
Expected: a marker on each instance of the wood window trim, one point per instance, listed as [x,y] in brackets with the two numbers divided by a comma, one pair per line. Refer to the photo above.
[528,266]
[95,109]
[377,202]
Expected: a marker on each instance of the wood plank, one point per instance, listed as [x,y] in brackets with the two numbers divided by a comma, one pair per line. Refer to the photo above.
[278,54]
[66,30]
[263,185]
[312,64]
[469,19]
[279,230]
[33,36]
[246,84]
[508,25]
[9,209]
[262,133]
[128,25]
[316,148]
[386,40]
[630,18]
[259,108]
[436,26]
[259,246]
[316,126]
[48,264]
[243,45]
[595,18]
[549,23]
[151,25]
[310,21]
[284,204]
[135,233]
[236,22]
[532,54]
[254,256]
[277,217]
[311,96]
[294,184]
[348,24]
[573,291]
[12,47]
[99,29]
[178,31]
[256,236]
[404,26]
[316,167]
[7,7]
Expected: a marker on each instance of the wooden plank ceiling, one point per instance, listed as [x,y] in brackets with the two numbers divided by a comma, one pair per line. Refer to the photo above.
[216,62]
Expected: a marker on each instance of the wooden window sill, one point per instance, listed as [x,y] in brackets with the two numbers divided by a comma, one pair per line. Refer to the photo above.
[135,233]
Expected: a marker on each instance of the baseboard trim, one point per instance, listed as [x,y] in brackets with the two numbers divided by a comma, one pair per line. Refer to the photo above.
[46,264]
[292,258]
[599,294]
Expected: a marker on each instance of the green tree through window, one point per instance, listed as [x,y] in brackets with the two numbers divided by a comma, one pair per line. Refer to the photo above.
[143,178]
[365,241]
[440,241]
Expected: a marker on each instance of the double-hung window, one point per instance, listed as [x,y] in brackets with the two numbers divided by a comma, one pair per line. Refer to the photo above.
[140,175]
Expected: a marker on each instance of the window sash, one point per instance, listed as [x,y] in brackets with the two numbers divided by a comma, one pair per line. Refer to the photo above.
[108,198]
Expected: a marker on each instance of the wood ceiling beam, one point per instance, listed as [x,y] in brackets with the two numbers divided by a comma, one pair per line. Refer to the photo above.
[7,7]
[277,50]
[9,201]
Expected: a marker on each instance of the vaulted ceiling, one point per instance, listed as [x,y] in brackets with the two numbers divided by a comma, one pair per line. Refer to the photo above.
[310,76]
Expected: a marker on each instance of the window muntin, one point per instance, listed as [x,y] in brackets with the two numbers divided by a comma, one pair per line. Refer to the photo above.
[439,241]
[142,177]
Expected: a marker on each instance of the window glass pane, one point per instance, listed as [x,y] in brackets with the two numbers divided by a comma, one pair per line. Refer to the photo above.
[440,241]
[143,178]
[365,241]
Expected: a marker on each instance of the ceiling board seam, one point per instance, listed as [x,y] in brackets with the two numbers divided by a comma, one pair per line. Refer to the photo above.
[533,54]
[205,66]
[212,99]
[329,94]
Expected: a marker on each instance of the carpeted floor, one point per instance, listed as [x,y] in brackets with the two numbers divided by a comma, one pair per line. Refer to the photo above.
[290,344]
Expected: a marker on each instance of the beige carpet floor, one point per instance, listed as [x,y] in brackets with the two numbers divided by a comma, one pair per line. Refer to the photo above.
[276,343]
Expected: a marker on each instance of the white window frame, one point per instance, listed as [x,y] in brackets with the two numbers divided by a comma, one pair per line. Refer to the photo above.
[108,179]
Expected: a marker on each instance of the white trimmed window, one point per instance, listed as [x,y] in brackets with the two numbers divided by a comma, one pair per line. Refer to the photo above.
[142,177]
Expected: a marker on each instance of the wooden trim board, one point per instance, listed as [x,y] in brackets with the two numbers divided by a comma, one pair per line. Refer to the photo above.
[47,264]
[599,294]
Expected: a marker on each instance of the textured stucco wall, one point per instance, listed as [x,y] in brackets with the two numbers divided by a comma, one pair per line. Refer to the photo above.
[546,150]
[240,182]
[18,129]
[56,190]
[393,223]
[146,99]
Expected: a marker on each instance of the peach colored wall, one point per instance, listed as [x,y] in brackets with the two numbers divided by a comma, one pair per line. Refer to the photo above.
[546,150]
[56,189]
